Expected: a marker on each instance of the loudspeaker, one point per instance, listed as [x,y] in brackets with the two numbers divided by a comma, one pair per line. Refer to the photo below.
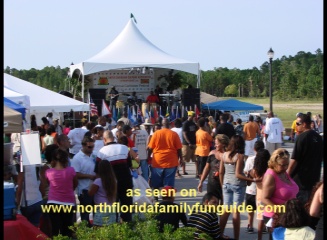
[97,94]
[191,97]
[191,93]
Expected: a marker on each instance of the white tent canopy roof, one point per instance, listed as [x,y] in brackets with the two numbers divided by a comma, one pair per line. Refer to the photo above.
[207,98]
[16,97]
[132,49]
[42,99]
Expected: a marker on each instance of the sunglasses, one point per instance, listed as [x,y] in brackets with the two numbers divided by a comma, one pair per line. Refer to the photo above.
[298,123]
[284,153]
[90,147]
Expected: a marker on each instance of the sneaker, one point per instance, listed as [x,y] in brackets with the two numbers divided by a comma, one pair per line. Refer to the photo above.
[249,229]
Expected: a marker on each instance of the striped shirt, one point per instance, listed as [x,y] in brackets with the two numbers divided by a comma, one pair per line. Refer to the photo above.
[205,222]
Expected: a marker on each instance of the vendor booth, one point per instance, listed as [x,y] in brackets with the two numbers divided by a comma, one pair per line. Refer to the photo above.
[237,108]
[12,120]
[19,108]
[231,105]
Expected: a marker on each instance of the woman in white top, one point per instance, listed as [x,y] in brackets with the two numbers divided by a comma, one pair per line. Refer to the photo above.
[179,130]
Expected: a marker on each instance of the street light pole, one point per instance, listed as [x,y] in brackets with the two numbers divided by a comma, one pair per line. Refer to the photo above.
[270,56]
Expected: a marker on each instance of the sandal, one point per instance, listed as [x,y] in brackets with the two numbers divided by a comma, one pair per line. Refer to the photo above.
[226,237]
[185,173]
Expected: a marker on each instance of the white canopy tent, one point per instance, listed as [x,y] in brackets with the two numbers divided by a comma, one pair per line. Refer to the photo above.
[132,49]
[41,99]
[16,97]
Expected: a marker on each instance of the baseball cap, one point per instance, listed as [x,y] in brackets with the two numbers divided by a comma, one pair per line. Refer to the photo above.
[190,113]
[168,191]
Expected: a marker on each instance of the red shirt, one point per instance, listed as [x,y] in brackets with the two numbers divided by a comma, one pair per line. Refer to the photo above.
[131,144]
[152,99]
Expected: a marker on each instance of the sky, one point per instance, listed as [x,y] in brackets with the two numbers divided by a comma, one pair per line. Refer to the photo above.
[215,33]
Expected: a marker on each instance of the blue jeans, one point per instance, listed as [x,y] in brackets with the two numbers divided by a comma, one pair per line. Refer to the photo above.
[33,213]
[163,177]
[85,200]
[145,169]
[233,194]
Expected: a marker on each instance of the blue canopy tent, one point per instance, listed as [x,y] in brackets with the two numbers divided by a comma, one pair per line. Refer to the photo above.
[15,106]
[231,105]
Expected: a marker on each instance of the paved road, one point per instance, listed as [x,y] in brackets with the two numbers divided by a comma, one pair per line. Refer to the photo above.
[190,183]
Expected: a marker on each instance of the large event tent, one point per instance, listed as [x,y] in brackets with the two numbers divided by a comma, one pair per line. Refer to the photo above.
[42,99]
[132,49]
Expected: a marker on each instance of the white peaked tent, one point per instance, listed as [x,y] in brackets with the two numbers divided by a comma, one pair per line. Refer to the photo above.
[16,97]
[42,99]
[132,49]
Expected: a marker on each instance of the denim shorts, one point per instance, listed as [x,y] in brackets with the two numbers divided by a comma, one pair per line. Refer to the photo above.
[104,218]
[233,194]
[163,177]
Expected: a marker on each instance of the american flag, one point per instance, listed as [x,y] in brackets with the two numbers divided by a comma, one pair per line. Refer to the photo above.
[93,107]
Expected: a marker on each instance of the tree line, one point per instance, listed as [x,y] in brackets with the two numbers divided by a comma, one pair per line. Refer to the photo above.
[299,76]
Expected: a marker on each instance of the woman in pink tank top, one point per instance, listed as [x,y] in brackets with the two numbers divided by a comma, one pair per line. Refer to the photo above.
[277,186]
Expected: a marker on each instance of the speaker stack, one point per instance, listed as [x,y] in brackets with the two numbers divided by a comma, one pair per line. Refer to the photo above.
[97,94]
[190,97]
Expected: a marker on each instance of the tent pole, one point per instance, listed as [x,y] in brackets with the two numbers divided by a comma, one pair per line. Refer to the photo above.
[199,72]
[83,87]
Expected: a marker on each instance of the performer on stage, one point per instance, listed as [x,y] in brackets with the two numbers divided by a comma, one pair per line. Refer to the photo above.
[113,94]
[152,98]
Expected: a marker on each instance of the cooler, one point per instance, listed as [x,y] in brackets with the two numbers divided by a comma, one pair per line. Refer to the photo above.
[9,206]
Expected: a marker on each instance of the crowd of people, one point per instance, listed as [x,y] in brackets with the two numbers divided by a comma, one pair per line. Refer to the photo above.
[95,162]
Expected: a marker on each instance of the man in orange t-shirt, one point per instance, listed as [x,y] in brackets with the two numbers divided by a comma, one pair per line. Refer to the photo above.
[251,131]
[203,143]
[167,154]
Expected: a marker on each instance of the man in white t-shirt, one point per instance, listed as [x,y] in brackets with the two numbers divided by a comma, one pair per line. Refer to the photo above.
[273,133]
[84,165]
[76,136]
[119,127]
[179,130]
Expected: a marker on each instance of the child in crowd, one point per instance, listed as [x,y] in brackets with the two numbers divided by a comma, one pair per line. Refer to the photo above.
[169,217]
[45,222]
[259,168]
[251,191]
[63,181]
[104,191]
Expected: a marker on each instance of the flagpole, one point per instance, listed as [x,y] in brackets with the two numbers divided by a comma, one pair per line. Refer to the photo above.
[89,98]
